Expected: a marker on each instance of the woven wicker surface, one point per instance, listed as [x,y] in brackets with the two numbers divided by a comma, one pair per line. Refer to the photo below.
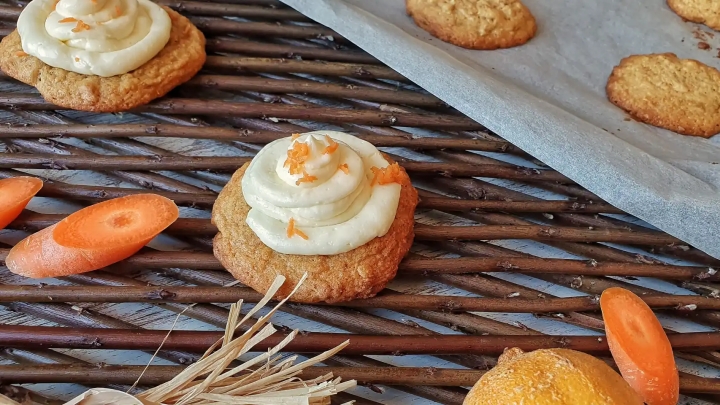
[508,252]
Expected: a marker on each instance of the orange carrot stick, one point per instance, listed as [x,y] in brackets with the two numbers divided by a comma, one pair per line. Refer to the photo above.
[640,347]
[94,237]
[15,194]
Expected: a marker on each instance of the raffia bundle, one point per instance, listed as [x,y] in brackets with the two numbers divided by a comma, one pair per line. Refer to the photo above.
[265,379]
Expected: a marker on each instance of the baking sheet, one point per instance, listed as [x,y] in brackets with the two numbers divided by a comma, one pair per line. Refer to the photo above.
[548,98]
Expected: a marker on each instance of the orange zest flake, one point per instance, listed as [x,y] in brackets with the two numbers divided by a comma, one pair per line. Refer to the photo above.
[67,20]
[306,178]
[292,231]
[296,157]
[344,167]
[295,136]
[21,53]
[81,26]
[388,175]
[332,147]
[118,11]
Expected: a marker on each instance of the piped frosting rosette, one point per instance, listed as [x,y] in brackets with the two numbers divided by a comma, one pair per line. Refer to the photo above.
[319,194]
[94,37]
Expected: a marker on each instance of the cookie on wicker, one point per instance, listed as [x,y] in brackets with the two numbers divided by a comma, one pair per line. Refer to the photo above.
[359,273]
[682,95]
[700,11]
[178,62]
[475,24]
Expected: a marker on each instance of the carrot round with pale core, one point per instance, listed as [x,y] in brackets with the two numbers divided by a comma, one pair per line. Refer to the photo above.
[640,347]
[94,237]
[15,194]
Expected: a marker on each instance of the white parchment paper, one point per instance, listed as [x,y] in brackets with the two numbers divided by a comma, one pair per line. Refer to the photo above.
[548,98]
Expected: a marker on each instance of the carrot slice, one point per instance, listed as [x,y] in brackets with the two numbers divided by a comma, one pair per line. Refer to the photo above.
[640,347]
[15,194]
[39,256]
[94,237]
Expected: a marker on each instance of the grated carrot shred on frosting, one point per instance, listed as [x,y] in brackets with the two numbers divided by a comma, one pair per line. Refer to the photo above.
[295,136]
[81,26]
[67,20]
[332,147]
[344,167]
[292,231]
[291,228]
[387,175]
[301,234]
[296,158]
[21,53]
[306,178]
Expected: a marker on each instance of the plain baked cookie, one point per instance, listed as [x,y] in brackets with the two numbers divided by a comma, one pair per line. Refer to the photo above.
[178,62]
[700,11]
[682,95]
[475,24]
[359,273]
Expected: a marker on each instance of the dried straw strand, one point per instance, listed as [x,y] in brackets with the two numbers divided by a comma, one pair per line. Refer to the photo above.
[209,380]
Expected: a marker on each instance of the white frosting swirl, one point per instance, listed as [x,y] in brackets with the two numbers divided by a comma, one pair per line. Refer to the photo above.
[94,37]
[338,211]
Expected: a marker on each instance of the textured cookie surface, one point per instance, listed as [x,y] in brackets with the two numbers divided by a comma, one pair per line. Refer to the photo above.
[178,62]
[475,24]
[682,95]
[359,273]
[700,11]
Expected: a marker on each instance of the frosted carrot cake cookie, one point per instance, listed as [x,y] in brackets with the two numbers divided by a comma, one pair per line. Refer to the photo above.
[102,55]
[324,203]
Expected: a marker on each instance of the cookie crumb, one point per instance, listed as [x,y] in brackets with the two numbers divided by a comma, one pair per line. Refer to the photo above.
[704,46]
[699,34]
